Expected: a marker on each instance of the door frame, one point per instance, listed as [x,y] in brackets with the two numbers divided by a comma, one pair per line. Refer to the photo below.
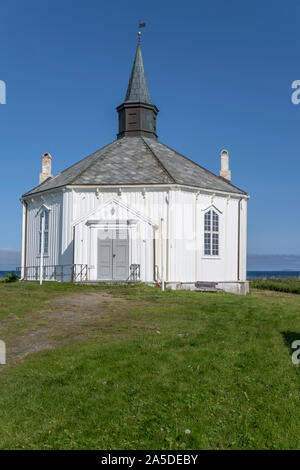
[95,226]
[113,239]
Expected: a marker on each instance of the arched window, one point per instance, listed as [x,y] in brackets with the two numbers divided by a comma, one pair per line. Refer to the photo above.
[44,213]
[211,233]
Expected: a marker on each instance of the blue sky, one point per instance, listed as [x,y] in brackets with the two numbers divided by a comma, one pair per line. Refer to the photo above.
[220,73]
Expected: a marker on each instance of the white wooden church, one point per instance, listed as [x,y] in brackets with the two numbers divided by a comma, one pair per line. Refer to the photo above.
[136,210]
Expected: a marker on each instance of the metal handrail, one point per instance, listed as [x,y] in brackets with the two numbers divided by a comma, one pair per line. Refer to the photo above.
[135,272]
[56,272]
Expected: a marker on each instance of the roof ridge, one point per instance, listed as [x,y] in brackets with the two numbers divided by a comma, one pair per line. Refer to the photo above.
[202,167]
[158,160]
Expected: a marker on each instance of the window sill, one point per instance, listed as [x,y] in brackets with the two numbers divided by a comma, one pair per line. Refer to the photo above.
[211,257]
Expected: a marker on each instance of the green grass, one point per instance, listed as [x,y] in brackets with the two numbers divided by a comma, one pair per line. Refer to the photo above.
[290,285]
[157,365]
[19,302]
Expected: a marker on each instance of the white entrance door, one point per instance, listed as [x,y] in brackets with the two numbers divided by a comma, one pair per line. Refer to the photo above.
[113,254]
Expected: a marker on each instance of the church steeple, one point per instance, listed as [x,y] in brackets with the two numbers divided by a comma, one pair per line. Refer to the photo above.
[138,87]
[137,115]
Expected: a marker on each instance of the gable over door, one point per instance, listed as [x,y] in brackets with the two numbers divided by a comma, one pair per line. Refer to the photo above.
[113,254]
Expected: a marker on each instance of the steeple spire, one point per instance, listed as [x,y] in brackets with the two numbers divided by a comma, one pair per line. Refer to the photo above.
[137,90]
[137,115]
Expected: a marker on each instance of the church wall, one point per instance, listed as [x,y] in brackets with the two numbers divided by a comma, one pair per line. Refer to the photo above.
[54,203]
[187,261]
[66,245]
[183,232]
[149,202]
[182,236]
[224,266]
[243,261]
[182,212]
[144,247]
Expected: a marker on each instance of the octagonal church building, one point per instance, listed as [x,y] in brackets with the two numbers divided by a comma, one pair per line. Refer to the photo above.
[137,211]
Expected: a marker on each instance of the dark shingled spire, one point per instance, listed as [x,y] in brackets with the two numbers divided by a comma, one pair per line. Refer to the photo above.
[137,90]
[137,115]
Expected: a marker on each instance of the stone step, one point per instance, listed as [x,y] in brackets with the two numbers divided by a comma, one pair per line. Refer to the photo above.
[206,286]
[207,289]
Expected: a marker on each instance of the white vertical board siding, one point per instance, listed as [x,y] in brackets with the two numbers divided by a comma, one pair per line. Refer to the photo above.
[189,235]
[182,212]
[232,237]
[24,234]
[182,236]
[183,232]
[224,266]
[243,242]
[150,204]
[66,249]
[188,261]
[54,203]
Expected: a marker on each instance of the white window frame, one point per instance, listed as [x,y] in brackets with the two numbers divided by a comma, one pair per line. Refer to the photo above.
[44,212]
[211,231]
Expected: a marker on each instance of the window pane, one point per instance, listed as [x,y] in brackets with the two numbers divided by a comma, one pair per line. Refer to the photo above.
[215,222]
[207,221]
[215,244]
[45,215]
[207,244]
[46,242]
[46,220]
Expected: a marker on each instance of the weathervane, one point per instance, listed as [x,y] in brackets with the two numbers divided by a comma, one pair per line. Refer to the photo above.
[141,25]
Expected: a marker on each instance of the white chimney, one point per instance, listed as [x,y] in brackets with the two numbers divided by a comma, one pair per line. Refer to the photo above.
[46,167]
[225,172]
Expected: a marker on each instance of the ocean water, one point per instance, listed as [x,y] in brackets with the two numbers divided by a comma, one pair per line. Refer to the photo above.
[272,274]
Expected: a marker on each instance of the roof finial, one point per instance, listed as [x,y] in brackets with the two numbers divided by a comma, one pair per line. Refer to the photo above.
[141,25]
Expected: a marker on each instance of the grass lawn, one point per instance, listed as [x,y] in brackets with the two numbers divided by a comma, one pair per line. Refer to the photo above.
[291,285]
[136,368]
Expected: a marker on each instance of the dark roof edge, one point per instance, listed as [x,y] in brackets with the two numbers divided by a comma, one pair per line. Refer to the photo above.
[39,185]
[30,193]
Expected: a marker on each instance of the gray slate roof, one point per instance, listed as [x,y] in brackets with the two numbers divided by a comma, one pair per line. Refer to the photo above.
[137,160]
[138,90]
